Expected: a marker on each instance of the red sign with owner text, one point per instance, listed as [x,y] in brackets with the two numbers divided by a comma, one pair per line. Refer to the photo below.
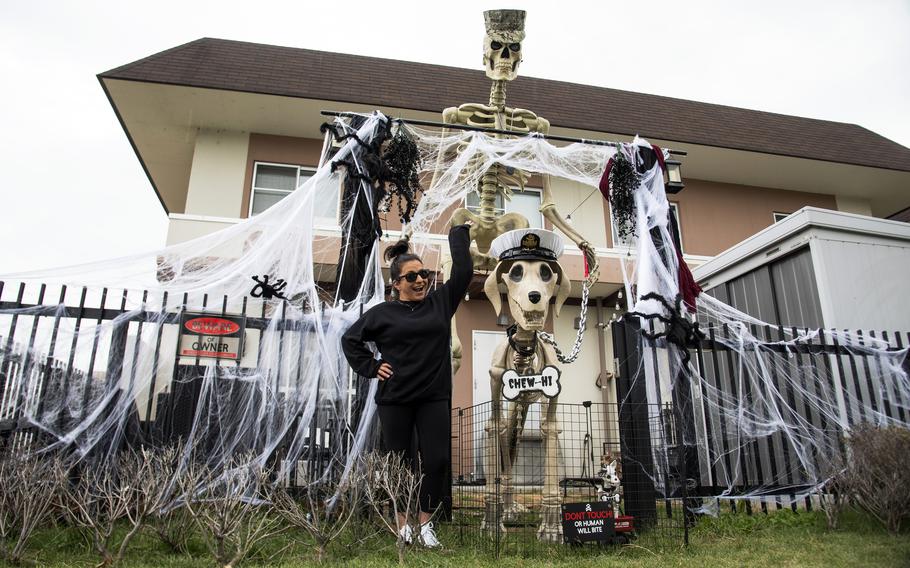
[211,336]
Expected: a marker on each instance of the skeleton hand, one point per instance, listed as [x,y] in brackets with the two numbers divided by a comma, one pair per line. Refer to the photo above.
[590,255]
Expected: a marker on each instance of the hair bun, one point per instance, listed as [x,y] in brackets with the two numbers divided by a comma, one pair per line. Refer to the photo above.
[397,249]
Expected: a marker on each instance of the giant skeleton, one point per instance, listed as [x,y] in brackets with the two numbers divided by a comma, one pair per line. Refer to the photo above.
[530,283]
[501,58]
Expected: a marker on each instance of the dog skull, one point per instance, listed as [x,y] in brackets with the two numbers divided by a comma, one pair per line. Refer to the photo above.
[502,43]
[530,285]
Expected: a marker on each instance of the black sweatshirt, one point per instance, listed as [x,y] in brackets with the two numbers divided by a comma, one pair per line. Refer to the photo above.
[413,337]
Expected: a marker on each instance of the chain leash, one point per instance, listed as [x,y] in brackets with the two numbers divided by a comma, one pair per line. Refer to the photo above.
[582,319]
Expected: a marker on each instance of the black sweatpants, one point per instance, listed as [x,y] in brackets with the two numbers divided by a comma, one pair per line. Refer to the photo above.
[431,420]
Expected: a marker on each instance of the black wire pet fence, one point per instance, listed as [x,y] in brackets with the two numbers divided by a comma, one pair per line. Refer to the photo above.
[530,485]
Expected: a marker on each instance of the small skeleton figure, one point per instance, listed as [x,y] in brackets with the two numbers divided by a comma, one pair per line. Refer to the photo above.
[529,269]
[267,291]
[502,55]
[608,489]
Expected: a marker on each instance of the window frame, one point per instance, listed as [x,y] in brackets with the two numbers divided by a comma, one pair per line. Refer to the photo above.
[774,215]
[284,192]
[505,209]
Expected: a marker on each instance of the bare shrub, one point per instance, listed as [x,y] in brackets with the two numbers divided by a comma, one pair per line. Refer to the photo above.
[170,527]
[879,473]
[29,488]
[392,488]
[833,495]
[227,507]
[130,487]
[322,512]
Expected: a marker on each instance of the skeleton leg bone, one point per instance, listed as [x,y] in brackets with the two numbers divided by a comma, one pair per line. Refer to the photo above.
[551,526]
[493,454]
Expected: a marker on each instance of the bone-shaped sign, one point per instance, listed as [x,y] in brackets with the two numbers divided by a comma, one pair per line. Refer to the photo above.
[546,382]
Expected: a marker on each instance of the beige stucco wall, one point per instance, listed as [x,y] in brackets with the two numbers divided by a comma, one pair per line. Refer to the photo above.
[216,178]
[586,209]
[715,216]
[578,378]
[854,205]
[187,227]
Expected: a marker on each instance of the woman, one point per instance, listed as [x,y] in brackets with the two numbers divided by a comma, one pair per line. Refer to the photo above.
[413,335]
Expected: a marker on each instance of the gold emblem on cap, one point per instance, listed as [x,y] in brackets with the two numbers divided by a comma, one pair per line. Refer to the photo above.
[530,241]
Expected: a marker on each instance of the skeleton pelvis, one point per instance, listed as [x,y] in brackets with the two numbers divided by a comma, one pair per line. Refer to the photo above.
[485,230]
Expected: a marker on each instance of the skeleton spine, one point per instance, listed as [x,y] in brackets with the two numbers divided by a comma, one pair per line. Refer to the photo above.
[498,96]
[490,184]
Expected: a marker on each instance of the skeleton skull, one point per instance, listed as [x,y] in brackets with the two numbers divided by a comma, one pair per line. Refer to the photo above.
[530,285]
[502,43]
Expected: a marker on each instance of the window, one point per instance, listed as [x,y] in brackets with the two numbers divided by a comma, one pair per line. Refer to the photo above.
[274,182]
[778,217]
[630,242]
[525,202]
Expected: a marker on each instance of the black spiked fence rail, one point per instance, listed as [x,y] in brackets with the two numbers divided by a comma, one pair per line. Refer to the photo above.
[61,346]
[764,471]
[49,352]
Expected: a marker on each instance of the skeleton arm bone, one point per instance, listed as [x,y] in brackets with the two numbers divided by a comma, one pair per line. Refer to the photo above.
[549,211]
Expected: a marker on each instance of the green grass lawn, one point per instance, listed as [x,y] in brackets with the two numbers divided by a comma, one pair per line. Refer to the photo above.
[780,539]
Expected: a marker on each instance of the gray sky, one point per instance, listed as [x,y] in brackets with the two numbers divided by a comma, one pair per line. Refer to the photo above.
[73,190]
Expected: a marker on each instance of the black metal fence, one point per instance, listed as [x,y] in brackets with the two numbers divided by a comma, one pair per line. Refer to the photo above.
[63,343]
[829,388]
[506,482]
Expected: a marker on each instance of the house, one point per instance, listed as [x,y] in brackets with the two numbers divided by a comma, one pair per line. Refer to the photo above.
[224,129]
[818,269]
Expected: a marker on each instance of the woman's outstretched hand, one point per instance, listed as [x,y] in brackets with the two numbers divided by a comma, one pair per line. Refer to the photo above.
[384,372]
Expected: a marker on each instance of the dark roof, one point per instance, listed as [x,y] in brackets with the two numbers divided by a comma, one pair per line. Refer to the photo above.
[257,68]
[902,215]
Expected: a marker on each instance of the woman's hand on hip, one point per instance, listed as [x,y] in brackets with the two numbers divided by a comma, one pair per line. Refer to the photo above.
[384,372]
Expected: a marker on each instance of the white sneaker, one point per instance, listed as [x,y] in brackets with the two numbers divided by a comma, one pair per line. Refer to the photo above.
[428,536]
[407,534]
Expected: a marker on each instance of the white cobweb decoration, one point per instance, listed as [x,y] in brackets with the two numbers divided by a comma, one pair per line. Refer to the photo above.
[766,413]
[90,364]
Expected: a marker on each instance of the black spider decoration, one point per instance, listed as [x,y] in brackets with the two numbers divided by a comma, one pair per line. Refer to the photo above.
[263,289]
[679,330]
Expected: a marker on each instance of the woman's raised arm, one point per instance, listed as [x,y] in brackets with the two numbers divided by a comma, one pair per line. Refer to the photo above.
[462,266]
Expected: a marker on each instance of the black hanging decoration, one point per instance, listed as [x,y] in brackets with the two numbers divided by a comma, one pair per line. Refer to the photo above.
[402,157]
[375,172]
[362,192]
[267,291]
[624,179]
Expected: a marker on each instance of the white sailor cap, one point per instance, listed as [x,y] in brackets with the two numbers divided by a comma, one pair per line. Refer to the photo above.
[527,244]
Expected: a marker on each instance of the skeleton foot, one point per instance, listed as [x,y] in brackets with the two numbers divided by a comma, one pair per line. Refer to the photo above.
[550,526]
[492,517]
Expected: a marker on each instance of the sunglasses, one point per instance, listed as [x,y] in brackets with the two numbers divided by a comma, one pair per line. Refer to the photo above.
[412,276]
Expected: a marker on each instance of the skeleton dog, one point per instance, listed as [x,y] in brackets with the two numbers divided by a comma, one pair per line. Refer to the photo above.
[532,276]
